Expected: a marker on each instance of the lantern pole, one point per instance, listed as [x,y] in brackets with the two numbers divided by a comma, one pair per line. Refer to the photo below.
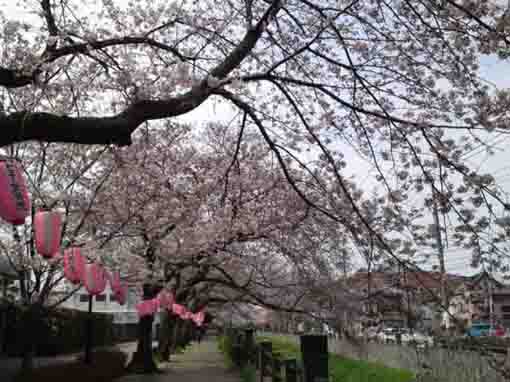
[88,334]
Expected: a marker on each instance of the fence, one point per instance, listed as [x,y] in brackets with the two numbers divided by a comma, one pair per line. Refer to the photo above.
[313,367]
[437,363]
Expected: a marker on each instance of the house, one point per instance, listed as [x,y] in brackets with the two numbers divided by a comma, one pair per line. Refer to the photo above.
[481,298]
[125,317]
[409,298]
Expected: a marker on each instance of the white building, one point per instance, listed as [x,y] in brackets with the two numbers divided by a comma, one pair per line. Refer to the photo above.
[103,303]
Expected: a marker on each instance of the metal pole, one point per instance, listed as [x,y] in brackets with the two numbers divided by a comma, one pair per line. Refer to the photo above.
[88,334]
[440,254]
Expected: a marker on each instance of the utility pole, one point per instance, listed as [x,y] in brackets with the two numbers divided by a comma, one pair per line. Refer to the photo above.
[440,255]
[490,291]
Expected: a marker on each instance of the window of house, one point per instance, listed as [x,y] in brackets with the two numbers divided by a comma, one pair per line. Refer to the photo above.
[505,308]
[84,297]
[101,298]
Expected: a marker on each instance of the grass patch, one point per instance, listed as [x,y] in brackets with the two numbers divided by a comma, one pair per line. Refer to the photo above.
[343,369]
[225,347]
[106,366]
[348,370]
[248,374]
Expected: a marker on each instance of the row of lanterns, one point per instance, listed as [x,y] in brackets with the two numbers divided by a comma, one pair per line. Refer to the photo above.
[15,208]
[165,300]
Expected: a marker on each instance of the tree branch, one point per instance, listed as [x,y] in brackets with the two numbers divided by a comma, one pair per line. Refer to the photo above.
[24,126]
[10,78]
[50,20]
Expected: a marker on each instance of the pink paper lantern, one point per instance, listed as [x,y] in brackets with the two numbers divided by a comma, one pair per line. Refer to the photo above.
[47,226]
[95,279]
[121,294]
[115,282]
[178,309]
[14,199]
[147,307]
[74,265]
[143,309]
[166,299]
[199,318]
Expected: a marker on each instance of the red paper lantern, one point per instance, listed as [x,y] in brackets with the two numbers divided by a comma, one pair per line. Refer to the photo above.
[95,279]
[74,265]
[14,199]
[47,226]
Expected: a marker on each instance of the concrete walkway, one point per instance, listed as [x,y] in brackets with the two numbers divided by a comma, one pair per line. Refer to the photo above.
[199,363]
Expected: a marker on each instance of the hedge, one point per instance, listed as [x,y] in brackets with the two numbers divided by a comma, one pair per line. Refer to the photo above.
[58,331]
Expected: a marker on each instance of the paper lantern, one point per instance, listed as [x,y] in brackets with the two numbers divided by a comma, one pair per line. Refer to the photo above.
[74,265]
[95,279]
[47,227]
[198,318]
[14,199]
[115,282]
[121,294]
[178,309]
[147,307]
[143,309]
[166,299]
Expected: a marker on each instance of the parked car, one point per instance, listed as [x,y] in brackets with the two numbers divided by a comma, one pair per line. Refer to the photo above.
[422,339]
[406,335]
[388,335]
[372,334]
[497,331]
[479,329]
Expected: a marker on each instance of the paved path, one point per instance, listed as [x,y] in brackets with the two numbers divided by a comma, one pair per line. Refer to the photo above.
[199,363]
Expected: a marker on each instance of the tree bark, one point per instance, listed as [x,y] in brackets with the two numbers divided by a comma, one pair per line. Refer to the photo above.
[31,320]
[143,359]
[166,336]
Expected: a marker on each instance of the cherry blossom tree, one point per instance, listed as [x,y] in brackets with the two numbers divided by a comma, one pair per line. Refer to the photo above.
[396,82]
[210,227]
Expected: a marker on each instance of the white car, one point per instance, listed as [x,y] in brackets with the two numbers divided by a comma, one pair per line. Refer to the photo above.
[417,338]
[388,335]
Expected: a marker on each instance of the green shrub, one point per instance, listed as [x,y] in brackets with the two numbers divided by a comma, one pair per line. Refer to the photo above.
[55,331]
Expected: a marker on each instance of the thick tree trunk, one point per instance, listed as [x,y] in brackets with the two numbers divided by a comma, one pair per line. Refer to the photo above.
[32,321]
[179,335]
[166,336]
[143,359]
